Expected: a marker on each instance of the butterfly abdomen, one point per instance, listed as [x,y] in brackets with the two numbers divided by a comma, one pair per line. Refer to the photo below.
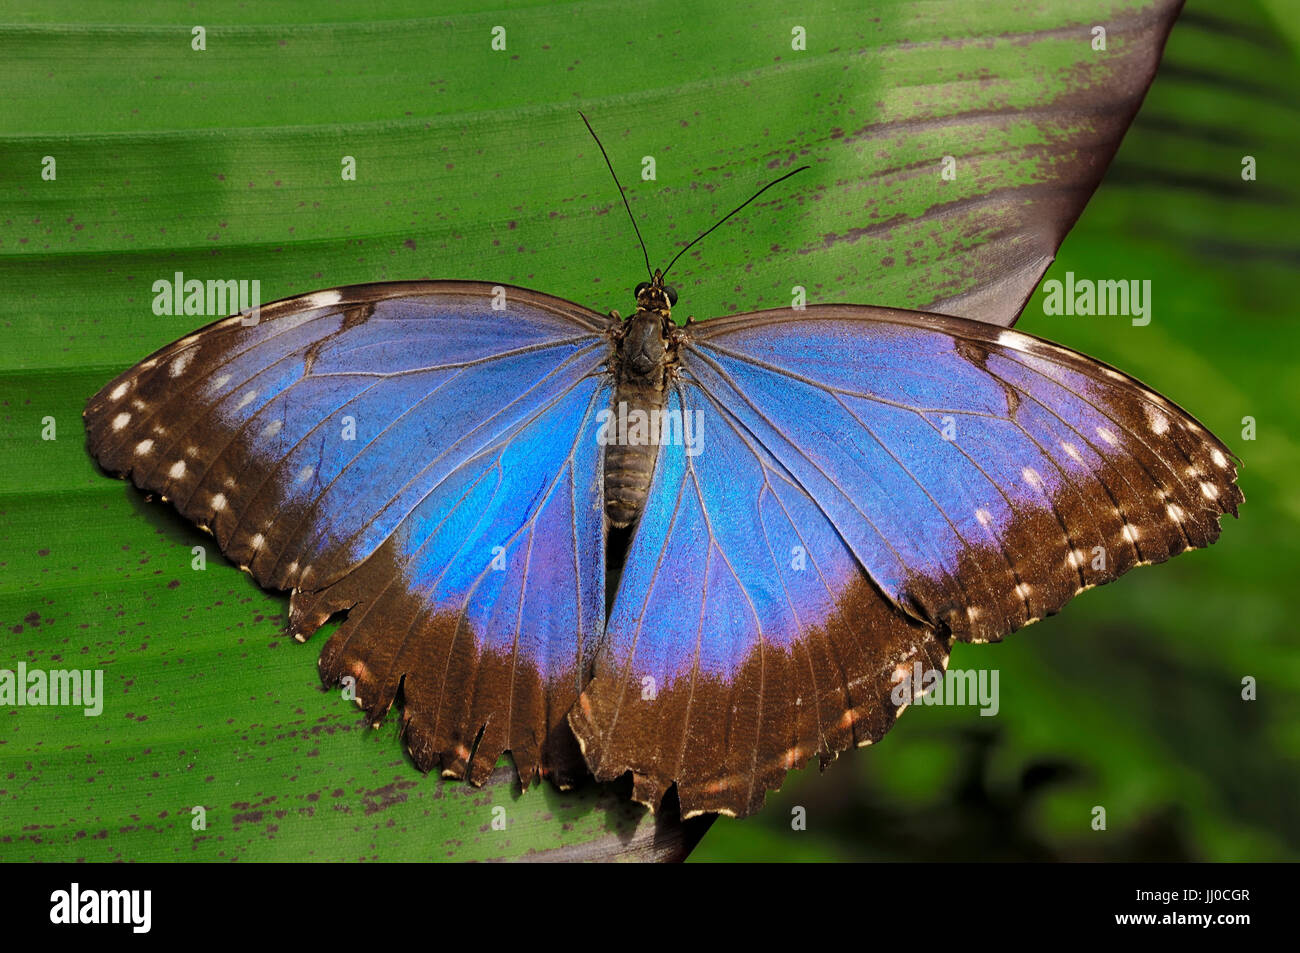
[630,456]
[632,430]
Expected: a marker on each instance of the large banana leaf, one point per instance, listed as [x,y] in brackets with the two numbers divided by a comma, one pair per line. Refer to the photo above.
[226,162]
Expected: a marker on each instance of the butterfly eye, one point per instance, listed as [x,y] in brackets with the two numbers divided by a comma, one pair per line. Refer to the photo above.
[641,288]
[672,295]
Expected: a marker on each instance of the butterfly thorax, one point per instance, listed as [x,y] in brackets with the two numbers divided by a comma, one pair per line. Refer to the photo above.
[644,357]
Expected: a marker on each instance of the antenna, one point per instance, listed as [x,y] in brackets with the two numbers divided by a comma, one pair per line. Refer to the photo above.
[733,211]
[649,270]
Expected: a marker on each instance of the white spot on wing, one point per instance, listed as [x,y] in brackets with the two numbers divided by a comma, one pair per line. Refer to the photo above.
[273,428]
[247,399]
[1072,451]
[1130,532]
[1219,459]
[1158,421]
[1109,437]
[219,501]
[121,420]
[984,516]
[178,470]
[143,447]
[321,299]
[119,390]
[183,360]
[1209,491]
[305,474]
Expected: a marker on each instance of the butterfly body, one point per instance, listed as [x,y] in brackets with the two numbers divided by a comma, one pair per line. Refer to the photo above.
[645,357]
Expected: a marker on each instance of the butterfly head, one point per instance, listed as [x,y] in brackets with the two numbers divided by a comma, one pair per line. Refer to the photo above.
[645,338]
[655,295]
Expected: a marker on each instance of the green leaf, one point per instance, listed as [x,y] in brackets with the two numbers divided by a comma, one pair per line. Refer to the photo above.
[471,163]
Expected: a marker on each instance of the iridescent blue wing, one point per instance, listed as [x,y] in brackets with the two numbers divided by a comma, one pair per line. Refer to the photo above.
[405,452]
[872,483]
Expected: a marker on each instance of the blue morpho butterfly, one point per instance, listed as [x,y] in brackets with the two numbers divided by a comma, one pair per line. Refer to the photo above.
[792,508]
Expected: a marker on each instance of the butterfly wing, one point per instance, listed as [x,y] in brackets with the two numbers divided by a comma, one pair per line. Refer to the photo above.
[408,453]
[871,484]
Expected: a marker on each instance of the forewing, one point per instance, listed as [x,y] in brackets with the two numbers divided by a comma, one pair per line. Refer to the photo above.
[982,477]
[407,452]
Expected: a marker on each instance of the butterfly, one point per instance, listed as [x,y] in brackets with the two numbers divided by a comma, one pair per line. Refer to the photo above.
[698,554]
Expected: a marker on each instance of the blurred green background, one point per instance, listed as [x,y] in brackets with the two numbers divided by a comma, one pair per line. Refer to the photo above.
[226,163]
